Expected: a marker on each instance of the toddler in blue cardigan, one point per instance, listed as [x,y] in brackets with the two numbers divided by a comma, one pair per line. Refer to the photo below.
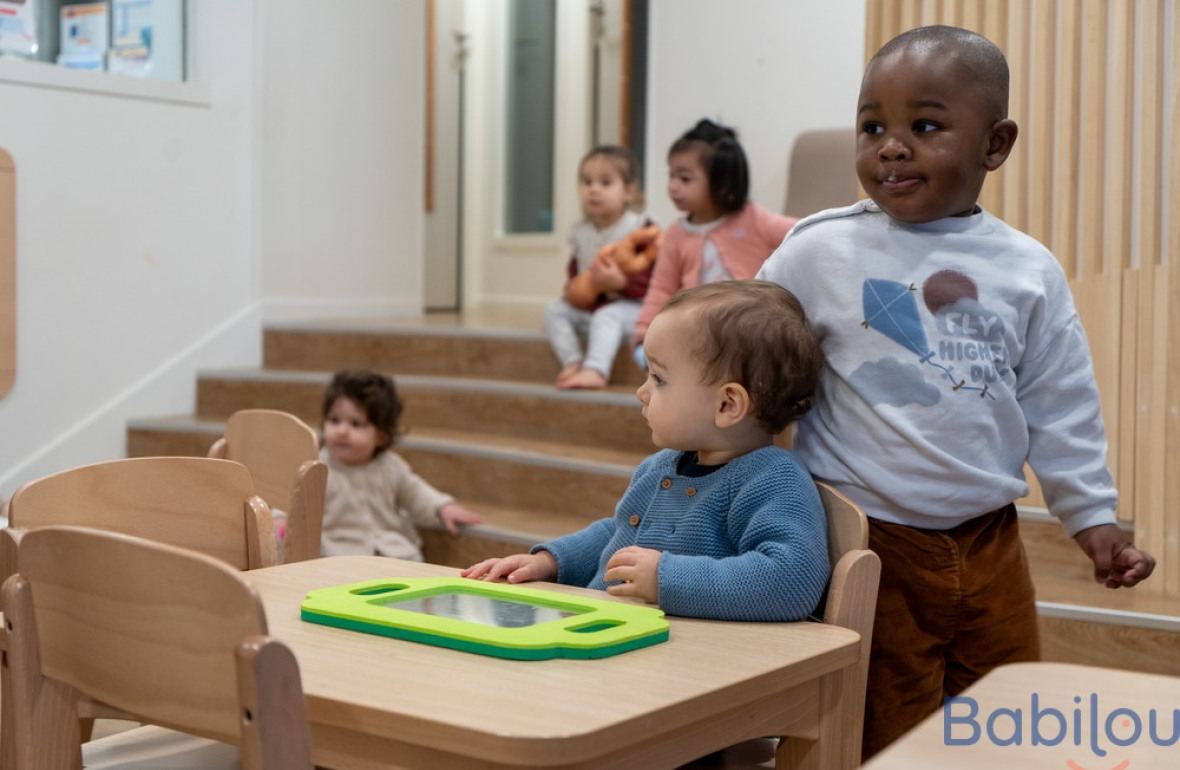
[721,523]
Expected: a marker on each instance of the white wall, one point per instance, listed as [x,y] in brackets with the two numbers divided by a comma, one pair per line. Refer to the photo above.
[134,256]
[154,232]
[770,68]
[341,158]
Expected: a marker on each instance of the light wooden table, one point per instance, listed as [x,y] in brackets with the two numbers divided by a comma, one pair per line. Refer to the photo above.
[1092,696]
[376,702]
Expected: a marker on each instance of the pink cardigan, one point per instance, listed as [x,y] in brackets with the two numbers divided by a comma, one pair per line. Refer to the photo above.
[744,240]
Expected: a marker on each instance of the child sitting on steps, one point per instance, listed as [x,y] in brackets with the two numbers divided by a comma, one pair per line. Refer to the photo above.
[723,234]
[601,299]
[722,523]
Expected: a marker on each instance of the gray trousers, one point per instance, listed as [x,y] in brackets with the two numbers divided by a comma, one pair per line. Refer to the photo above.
[605,330]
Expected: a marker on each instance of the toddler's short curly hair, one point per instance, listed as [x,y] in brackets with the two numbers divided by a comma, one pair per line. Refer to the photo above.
[755,333]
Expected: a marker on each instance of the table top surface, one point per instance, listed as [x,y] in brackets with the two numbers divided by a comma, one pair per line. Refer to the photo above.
[396,688]
[1110,719]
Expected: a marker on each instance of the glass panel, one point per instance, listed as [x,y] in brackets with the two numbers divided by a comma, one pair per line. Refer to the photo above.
[528,190]
[477,608]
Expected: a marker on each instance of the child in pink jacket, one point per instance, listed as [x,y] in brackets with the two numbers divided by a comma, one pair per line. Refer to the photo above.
[723,234]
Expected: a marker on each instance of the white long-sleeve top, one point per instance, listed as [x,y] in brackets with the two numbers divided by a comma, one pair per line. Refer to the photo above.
[954,354]
[375,508]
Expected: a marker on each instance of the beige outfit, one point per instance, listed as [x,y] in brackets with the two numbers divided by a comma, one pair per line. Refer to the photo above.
[375,508]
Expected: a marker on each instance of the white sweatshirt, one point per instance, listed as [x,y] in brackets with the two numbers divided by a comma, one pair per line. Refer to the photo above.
[954,354]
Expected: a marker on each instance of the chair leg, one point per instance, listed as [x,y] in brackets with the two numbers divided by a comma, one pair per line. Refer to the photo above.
[44,713]
[7,747]
[275,731]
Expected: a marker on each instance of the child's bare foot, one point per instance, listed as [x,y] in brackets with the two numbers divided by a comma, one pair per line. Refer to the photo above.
[590,379]
[569,370]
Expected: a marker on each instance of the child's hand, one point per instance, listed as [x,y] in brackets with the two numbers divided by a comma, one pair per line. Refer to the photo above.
[1116,562]
[453,515]
[606,274]
[639,569]
[518,568]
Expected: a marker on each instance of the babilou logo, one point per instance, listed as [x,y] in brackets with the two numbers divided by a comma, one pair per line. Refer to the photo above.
[1090,726]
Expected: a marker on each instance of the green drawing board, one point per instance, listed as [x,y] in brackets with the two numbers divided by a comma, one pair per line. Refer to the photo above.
[506,621]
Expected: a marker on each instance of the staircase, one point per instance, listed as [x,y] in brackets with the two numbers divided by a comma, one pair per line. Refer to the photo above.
[483,422]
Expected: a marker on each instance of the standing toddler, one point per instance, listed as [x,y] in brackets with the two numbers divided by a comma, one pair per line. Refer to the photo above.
[955,355]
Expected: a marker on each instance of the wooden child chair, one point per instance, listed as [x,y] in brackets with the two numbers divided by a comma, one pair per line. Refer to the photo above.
[821,174]
[851,603]
[169,635]
[205,505]
[282,453]
[201,504]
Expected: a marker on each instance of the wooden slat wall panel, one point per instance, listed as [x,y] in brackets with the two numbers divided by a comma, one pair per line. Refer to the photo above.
[1093,89]
[1116,236]
[911,15]
[1043,75]
[950,13]
[1169,554]
[1066,101]
[991,20]
[1119,147]
[1097,290]
[1093,139]
[1014,209]
[1139,294]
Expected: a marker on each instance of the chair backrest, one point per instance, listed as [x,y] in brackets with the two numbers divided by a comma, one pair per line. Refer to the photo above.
[169,635]
[282,453]
[852,602]
[193,502]
[822,171]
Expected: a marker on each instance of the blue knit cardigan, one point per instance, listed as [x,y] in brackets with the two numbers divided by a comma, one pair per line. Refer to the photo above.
[745,542]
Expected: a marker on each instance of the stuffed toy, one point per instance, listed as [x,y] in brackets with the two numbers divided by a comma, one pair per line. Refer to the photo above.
[632,254]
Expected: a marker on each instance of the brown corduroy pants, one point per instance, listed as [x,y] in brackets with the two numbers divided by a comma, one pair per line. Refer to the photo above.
[953,605]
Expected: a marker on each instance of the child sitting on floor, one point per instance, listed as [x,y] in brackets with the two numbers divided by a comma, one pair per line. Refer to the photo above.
[374,502]
[722,523]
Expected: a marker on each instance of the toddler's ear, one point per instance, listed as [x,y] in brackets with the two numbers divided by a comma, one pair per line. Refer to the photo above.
[1000,141]
[733,404]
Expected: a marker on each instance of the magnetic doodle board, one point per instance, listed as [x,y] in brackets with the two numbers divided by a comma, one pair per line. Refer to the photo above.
[498,619]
